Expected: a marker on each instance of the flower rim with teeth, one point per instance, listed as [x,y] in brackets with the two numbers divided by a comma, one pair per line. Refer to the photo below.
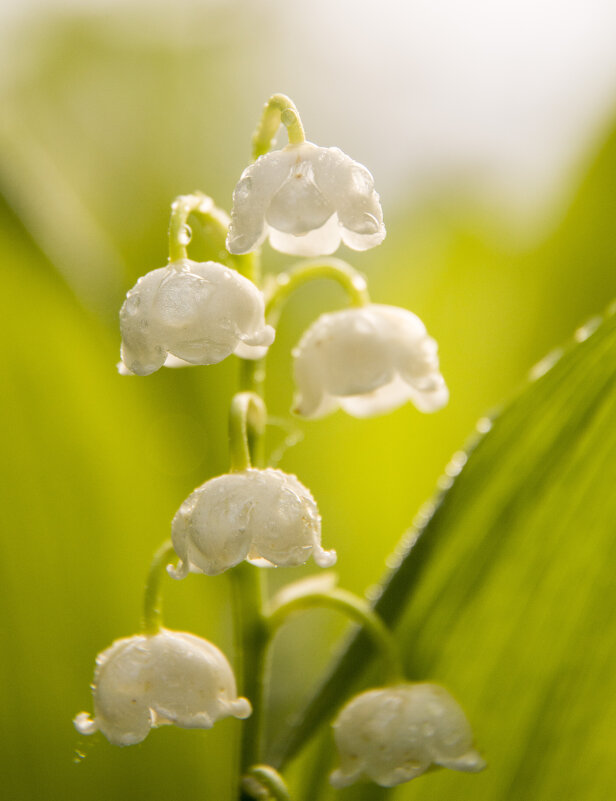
[198,313]
[171,677]
[394,734]
[264,516]
[367,360]
[306,199]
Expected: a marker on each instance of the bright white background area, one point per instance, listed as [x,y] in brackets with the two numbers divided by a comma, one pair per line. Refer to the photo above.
[506,99]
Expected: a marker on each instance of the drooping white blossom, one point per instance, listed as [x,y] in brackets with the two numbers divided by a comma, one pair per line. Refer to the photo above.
[306,199]
[265,516]
[196,312]
[146,681]
[393,734]
[367,360]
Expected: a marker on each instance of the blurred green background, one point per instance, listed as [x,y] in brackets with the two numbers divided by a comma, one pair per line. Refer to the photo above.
[106,117]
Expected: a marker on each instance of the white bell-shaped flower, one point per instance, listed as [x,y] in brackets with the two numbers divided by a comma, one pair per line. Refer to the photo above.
[264,516]
[394,734]
[199,313]
[146,681]
[305,199]
[367,360]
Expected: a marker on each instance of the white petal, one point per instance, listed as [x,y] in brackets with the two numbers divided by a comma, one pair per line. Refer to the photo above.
[350,189]
[369,361]
[211,525]
[429,401]
[380,401]
[306,199]
[153,680]
[311,399]
[253,352]
[195,313]
[174,362]
[251,198]
[264,516]
[393,734]
[320,242]
[299,206]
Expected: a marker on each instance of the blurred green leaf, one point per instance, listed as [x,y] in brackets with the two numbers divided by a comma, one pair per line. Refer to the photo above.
[506,594]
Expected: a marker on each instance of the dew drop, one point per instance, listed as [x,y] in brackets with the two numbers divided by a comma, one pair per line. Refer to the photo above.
[546,364]
[79,757]
[359,283]
[243,189]
[373,593]
[444,482]
[456,463]
[185,235]
[484,424]
[393,561]
[587,329]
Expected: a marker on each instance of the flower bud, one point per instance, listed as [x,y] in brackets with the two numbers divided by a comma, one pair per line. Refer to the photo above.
[394,734]
[199,313]
[305,199]
[367,360]
[146,681]
[264,516]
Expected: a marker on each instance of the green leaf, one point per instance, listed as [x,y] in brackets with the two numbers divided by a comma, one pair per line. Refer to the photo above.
[506,593]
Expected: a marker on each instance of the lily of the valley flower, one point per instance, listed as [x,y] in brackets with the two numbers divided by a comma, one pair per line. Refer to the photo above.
[393,734]
[367,360]
[264,516]
[199,313]
[146,681]
[306,199]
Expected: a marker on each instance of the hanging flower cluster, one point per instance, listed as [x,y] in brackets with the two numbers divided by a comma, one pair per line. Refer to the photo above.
[367,360]
[394,734]
[306,200]
[265,516]
[200,313]
[144,681]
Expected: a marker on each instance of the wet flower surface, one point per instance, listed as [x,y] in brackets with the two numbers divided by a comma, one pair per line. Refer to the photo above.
[393,734]
[265,516]
[171,677]
[197,312]
[306,199]
[367,360]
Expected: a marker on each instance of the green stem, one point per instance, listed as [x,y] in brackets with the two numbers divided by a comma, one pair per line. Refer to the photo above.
[247,418]
[152,616]
[263,781]
[251,637]
[357,609]
[278,110]
[179,233]
[215,223]
[353,283]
